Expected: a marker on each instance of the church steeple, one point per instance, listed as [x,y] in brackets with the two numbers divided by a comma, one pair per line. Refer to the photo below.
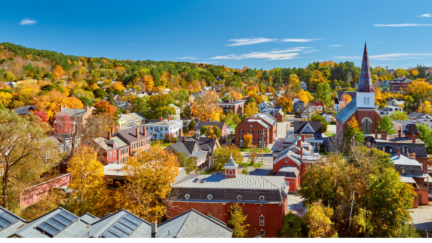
[365,82]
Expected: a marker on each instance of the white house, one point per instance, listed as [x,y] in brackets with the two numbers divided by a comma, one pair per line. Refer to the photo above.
[160,128]
[262,106]
[395,102]
[178,111]
[388,110]
[303,85]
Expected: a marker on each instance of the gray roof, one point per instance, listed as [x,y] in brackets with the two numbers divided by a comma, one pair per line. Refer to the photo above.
[233,103]
[288,152]
[132,116]
[130,135]
[265,125]
[108,227]
[267,118]
[344,114]
[25,109]
[419,147]
[193,224]
[402,80]
[9,222]
[415,115]
[89,218]
[72,112]
[224,189]
[104,142]
[299,125]
[47,226]
[408,179]
[231,162]
[200,124]
[290,172]
[403,160]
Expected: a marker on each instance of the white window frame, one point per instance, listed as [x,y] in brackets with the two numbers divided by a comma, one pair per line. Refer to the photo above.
[262,232]
[263,218]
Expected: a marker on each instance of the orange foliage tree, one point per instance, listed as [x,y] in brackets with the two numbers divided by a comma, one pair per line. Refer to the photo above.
[247,140]
[57,71]
[207,107]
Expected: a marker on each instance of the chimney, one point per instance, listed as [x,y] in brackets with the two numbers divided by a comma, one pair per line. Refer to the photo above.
[183,139]
[160,119]
[384,134]
[414,138]
[376,133]
[137,132]
[301,152]
[154,229]
[109,135]
[180,132]
[303,138]
[169,118]
[145,131]
[398,152]
[112,130]
[299,143]
[213,136]
[127,112]
[399,133]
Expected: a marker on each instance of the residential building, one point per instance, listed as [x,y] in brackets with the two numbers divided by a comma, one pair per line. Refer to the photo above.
[191,148]
[388,110]
[419,116]
[298,106]
[275,111]
[336,104]
[395,102]
[67,120]
[262,198]
[123,104]
[25,110]
[362,107]
[138,139]
[311,131]
[262,127]
[400,84]
[222,126]
[178,111]
[112,148]
[303,85]
[129,120]
[235,106]
[263,105]
[160,129]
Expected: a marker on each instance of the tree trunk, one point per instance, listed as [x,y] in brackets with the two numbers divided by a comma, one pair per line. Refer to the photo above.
[5,187]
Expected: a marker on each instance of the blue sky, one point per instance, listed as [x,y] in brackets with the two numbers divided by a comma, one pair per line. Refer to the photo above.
[257,34]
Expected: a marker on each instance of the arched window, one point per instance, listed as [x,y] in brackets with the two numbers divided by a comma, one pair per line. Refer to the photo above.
[368,100]
[366,126]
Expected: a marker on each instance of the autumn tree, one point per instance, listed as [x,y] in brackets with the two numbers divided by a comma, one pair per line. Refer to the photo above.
[345,100]
[294,82]
[292,226]
[88,186]
[399,115]
[323,94]
[425,107]
[159,106]
[305,96]
[321,119]
[426,136]
[22,147]
[207,107]
[148,179]
[317,219]
[57,71]
[352,132]
[148,82]
[237,221]
[419,87]
[385,124]
[286,103]
[247,140]
[317,78]
[118,86]
[251,109]
[221,156]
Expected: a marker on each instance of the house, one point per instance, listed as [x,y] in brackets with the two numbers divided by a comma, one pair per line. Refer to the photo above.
[67,120]
[123,105]
[336,104]
[222,126]
[193,224]
[303,85]
[418,116]
[314,107]
[160,129]
[178,111]
[411,172]
[9,222]
[262,127]
[328,117]
[311,131]
[25,110]
[129,120]
[409,145]
[400,84]
[262,198]
[362,107]
[263,105]
[137,138]
[388,110]
[395,102]
[110,148]
[275,111]
[298,106]
[191,148]
[235,106]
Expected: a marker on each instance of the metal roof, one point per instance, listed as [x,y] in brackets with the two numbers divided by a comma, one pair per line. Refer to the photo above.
[347,111]
[403,160]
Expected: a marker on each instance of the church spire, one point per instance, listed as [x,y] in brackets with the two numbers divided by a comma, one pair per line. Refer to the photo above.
[365,82]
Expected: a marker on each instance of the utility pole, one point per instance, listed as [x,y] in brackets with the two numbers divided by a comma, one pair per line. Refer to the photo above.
[352,204]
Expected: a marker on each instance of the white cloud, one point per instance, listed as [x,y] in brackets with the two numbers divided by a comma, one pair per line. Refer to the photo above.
[335,45]
[182,58]
[306,52]
[28,21]
[392,56]
[249,41]
[269,55]
[403,25]
[297,40]
[425,15]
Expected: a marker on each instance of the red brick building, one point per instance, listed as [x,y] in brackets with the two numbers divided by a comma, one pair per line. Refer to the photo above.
[263,198]
[262,127]
[235,106]
[400,84]
[66,121]
[362,107]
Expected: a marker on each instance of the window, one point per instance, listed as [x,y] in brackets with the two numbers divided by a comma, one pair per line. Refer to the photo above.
[250,125]
[127,150]
[166,128]
[391,150]
[403,171]
[261,220]
[250,131]
[151,128]
[262,232]
[161,135]
[241,131]
[114,154]
[260,132]
[383,149]
[110,155]
[366,126]
[260,140]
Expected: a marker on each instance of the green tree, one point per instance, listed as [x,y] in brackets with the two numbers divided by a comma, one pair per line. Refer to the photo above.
[192,124]
[318,220]
[189,164]
[317,117]
[237,221]
[323,94]
[221,156]
[399,115]
[385,124]
[180,96]
[292,226]
[204,130]
[217,132]
[99,93]
[426,136]
[140,104]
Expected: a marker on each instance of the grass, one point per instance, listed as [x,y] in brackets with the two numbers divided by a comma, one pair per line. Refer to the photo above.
[330,134]
[244,149]
[234,126]
[256,164]
[163,145]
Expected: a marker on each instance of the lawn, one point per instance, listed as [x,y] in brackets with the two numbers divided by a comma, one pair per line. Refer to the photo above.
[234,126]
[244,149]
[330,134]
[163,145]
[256,164]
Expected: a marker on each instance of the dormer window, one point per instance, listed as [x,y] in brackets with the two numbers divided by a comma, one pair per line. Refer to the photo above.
[403,171]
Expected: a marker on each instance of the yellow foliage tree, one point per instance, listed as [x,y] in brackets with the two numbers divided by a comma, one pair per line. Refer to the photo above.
[148,82]
[425,107]
[286,103]
[317,77]
[119,86]
[420,87]
[305,96]
[294,81]
[247,140]
[51,103]
[318,219]
[5,98]
[88,187]
[235,94]
[346,99]
[148,175]
[251,109]
[414,72]
[207,107]
[57,72]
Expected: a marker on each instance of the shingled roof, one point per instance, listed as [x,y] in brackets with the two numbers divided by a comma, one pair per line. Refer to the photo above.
[347,111]
[299,125]
[200,124]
